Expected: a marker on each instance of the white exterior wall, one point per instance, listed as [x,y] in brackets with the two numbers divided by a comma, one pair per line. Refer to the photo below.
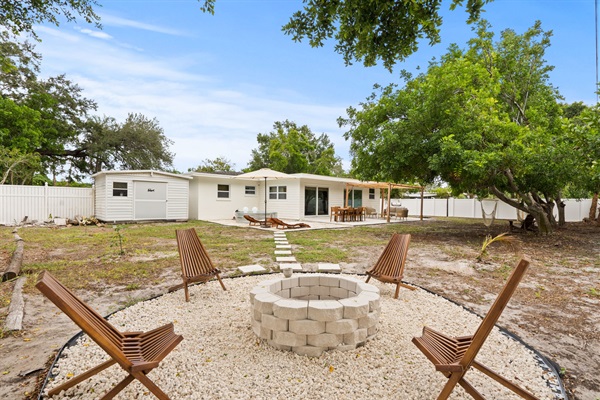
[116,208]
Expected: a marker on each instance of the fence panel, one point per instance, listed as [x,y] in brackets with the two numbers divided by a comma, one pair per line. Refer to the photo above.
[41,202]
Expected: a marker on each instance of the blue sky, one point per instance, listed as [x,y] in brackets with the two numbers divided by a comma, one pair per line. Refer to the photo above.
[215,82]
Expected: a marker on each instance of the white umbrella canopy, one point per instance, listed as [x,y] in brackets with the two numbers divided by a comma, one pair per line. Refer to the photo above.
[264,174]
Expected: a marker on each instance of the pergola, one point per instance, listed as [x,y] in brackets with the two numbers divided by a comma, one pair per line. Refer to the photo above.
[383,186]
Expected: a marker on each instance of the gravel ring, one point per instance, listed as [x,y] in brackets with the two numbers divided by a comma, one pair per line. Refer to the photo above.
[220,357]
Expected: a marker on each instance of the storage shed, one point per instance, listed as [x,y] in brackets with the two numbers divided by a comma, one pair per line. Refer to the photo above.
[142,195]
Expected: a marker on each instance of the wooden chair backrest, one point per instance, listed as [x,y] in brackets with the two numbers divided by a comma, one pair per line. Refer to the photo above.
[194,258]
[494,313]
[392,259]
[251,219]
[92,323]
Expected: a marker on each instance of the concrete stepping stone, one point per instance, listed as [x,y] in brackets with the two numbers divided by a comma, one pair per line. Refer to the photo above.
[326,267]
[283,246]
[247,269]
[285,259]
[286,243]
[283,252]
[295,266]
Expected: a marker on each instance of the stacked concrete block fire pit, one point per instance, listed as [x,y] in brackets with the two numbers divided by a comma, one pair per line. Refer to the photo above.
[311,313]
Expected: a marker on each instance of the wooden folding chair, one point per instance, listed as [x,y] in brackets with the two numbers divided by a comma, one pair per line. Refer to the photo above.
[453,356]
[195,262]
[390,266]
[138,353]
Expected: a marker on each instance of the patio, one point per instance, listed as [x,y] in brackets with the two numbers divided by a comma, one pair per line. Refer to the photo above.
[220,356]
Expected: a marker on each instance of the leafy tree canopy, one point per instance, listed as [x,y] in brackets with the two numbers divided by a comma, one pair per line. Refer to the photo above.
[368,31]
[219,164]
[49,123]
[485,119]
[19,16]
[293,149]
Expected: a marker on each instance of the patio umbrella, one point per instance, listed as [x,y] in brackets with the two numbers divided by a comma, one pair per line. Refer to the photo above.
[263,174]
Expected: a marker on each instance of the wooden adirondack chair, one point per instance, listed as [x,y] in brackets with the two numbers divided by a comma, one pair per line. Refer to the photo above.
[453,356]
[195,262]
[138,353]
[390,266]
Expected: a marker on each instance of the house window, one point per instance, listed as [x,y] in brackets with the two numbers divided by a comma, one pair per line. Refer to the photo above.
[277,192]
[371,194]
[222,191]
[120,189]
[250,190]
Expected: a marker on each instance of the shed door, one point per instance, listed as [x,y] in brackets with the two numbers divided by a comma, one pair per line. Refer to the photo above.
[150,200]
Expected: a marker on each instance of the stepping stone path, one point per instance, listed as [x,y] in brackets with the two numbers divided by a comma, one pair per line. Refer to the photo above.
[283,255]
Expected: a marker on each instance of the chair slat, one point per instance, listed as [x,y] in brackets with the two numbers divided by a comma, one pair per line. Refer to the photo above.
[389,268]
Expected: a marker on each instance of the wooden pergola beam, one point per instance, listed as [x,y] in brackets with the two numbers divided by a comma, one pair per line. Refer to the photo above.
[385,186]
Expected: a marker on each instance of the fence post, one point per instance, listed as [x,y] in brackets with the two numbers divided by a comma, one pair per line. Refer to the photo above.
[46,200]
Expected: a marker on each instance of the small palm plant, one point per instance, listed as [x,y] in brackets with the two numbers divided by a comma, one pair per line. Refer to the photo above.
[503,237]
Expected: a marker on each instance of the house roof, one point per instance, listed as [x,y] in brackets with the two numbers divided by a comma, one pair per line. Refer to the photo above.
[141,171]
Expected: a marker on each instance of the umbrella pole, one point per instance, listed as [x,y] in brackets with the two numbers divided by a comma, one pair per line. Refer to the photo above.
[265,198]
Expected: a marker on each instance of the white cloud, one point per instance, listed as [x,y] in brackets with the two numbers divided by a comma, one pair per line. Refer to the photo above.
[111,20]
[95,34]
[205,116]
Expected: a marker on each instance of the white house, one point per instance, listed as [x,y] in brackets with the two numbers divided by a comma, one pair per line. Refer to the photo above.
[141,195]
[218,196]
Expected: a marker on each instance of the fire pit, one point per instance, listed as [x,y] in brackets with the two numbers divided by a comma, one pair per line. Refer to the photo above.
[312,313]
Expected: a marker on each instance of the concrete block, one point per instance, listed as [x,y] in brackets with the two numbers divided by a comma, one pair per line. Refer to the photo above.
[257,315]
[329,281]
[374,300]
[289,339]
[289,283]
[341,326]
[338,293]
[283,246]
[324,291]
[371,331]
[291,309]
[284,293]
[314,290]
[349,284]
[247,269]
[367,287]
[307,327]
[255,290]
[274,323]
[299,291]
[263,302]
[356,337]
[325,310]
[370,320]
[309,351]
[355,307]
[309,280]
[278,346]
[324,340]
[285,259]
[261,331]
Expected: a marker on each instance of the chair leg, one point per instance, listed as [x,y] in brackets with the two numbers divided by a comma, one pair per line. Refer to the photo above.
[397,291]
[117,389]
[470,390]
[503,381]
[144,380]
[453,379]
[221,282]
[81,377]
[187,292]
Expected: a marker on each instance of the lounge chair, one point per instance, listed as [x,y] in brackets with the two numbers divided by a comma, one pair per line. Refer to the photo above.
[390,265]
[254,222]
[279,224]
[453,356]
[195,262]
[137,353]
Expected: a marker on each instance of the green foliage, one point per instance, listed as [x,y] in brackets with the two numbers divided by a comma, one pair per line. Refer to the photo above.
[20,16]
[484,120]
[503,237]
[118,239]
[219,164]
[292,149]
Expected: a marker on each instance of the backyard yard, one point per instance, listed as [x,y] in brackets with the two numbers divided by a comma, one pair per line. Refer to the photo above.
[555,309]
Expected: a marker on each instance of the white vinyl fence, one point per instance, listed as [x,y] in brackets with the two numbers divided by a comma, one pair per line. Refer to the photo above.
[575,210]
[43,202]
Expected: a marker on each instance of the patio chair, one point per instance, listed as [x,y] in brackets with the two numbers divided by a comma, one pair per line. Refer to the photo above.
[370,212]
[335,214]
[137,353]
[453,356]
[254,222]
[195,262]
[390,265]
[279,224]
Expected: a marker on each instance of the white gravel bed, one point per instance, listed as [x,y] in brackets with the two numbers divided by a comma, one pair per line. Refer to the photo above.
[220,357]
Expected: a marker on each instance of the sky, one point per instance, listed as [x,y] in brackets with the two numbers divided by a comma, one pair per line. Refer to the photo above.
[215,81]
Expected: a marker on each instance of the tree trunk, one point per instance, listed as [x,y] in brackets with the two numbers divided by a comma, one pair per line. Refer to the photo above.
[594,207]
[560,206]
[14,268]
[541,218]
